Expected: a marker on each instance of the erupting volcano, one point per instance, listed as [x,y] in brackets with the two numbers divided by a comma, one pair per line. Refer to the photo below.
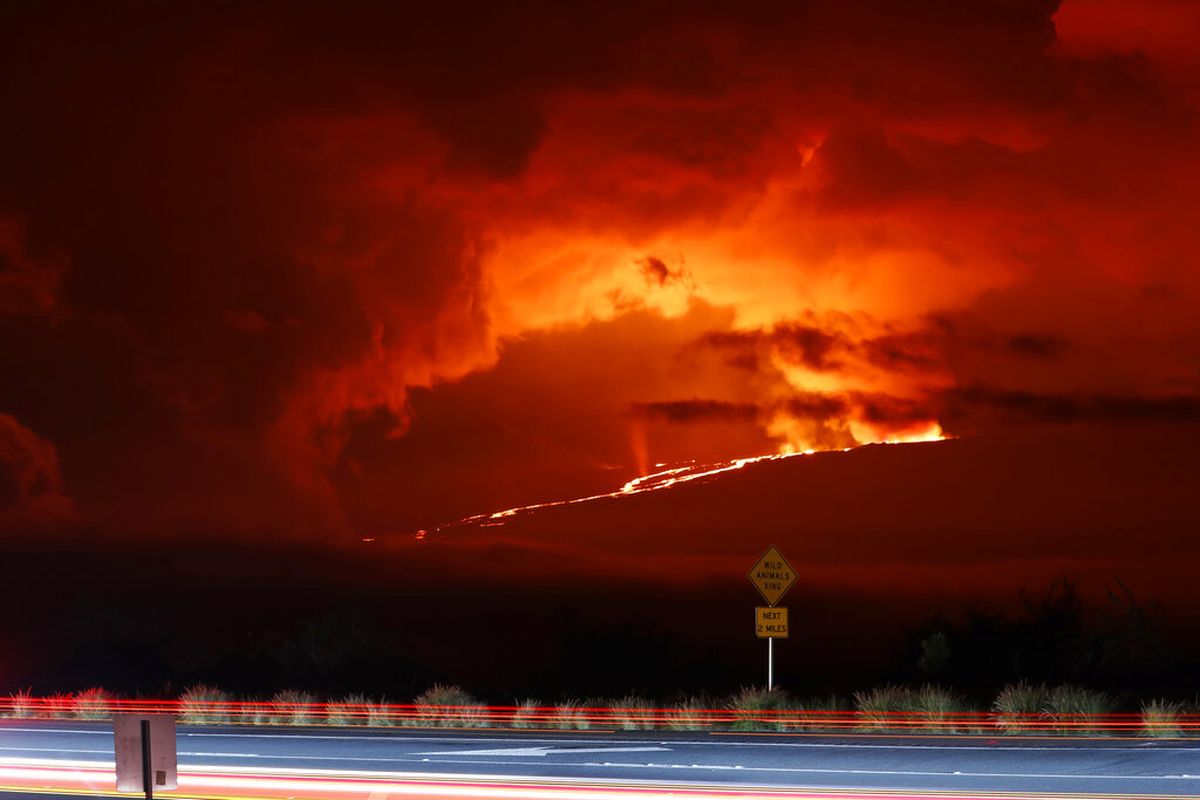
[293,275]
[666,477]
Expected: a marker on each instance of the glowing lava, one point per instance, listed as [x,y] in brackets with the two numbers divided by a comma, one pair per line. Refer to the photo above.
[666,478]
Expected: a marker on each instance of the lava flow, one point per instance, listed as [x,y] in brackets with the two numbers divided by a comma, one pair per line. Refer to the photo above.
[665,479]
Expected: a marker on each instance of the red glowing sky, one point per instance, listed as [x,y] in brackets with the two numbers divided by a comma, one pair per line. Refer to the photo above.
[298,270]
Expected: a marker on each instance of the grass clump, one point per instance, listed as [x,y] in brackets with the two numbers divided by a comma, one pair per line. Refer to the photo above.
[94,703]
[21,704]
[570,715]
[60,705]
[758,709]
[1160,719]
[350,710]
[940,709]
[1021,707]
[1073,709]
[527,714]
[444,705]
[877,709]
[380,714]
[822,714]
[688,715]
[290,707]
[633,713]
[204,705]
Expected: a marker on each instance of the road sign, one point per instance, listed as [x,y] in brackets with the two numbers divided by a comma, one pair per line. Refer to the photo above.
[144,746]
[771,622]
[772,576]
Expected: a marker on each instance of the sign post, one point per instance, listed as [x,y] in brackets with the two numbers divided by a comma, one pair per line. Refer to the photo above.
[144,745]
[772,575]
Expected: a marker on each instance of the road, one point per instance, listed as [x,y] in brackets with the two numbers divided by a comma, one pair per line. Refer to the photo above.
[342,763]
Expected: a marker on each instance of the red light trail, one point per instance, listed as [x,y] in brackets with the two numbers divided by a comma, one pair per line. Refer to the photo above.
[527,718]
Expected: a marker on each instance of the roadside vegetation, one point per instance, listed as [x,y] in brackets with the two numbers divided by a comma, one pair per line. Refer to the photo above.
[448,707]
[1019,706]
[353,709]
[94,703]
[1161,718]
[1018,709]
[205,705]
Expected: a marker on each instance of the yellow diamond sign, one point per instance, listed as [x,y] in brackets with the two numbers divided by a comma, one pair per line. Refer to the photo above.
[772,575]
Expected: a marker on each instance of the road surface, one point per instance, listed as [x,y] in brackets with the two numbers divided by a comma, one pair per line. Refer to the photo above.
[233,761]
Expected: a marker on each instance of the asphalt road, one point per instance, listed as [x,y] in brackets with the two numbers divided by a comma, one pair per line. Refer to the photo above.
[964,765]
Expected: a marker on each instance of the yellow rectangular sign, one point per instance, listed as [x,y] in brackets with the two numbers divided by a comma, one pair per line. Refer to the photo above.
[771,622]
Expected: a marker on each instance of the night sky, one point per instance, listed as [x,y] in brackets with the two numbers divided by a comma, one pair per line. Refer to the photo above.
[287,289]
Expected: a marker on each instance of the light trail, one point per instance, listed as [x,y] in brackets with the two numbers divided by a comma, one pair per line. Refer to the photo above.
[528,718]
[96,778]
[663,479]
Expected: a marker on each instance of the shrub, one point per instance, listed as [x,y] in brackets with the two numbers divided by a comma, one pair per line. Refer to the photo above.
[527,714]
[938,708]
[1073,709]
[204,705]
[757,709]
[448,706]
[1020,707]
[823,714]
[633,713]
[21,704]
[688,715]
[58,706]
[290,707]
[94,703]
[877,708]
[1160,719]
[380,714]
[570,715]
[350,710]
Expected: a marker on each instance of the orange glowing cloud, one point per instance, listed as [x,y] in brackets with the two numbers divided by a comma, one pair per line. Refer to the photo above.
[325,273]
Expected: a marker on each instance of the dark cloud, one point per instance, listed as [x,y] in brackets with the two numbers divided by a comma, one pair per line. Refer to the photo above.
[878,407]
[1037,345]
[861,169]
[939,341]
[920,351]
[696,410]
[972,405]
[657,273]
[802,344]
[813,406]
[28,284]
[32,494]
[944,339]
[741,349]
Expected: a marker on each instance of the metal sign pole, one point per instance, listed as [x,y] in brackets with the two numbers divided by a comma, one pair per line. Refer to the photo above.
[147,769]
[770,664]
